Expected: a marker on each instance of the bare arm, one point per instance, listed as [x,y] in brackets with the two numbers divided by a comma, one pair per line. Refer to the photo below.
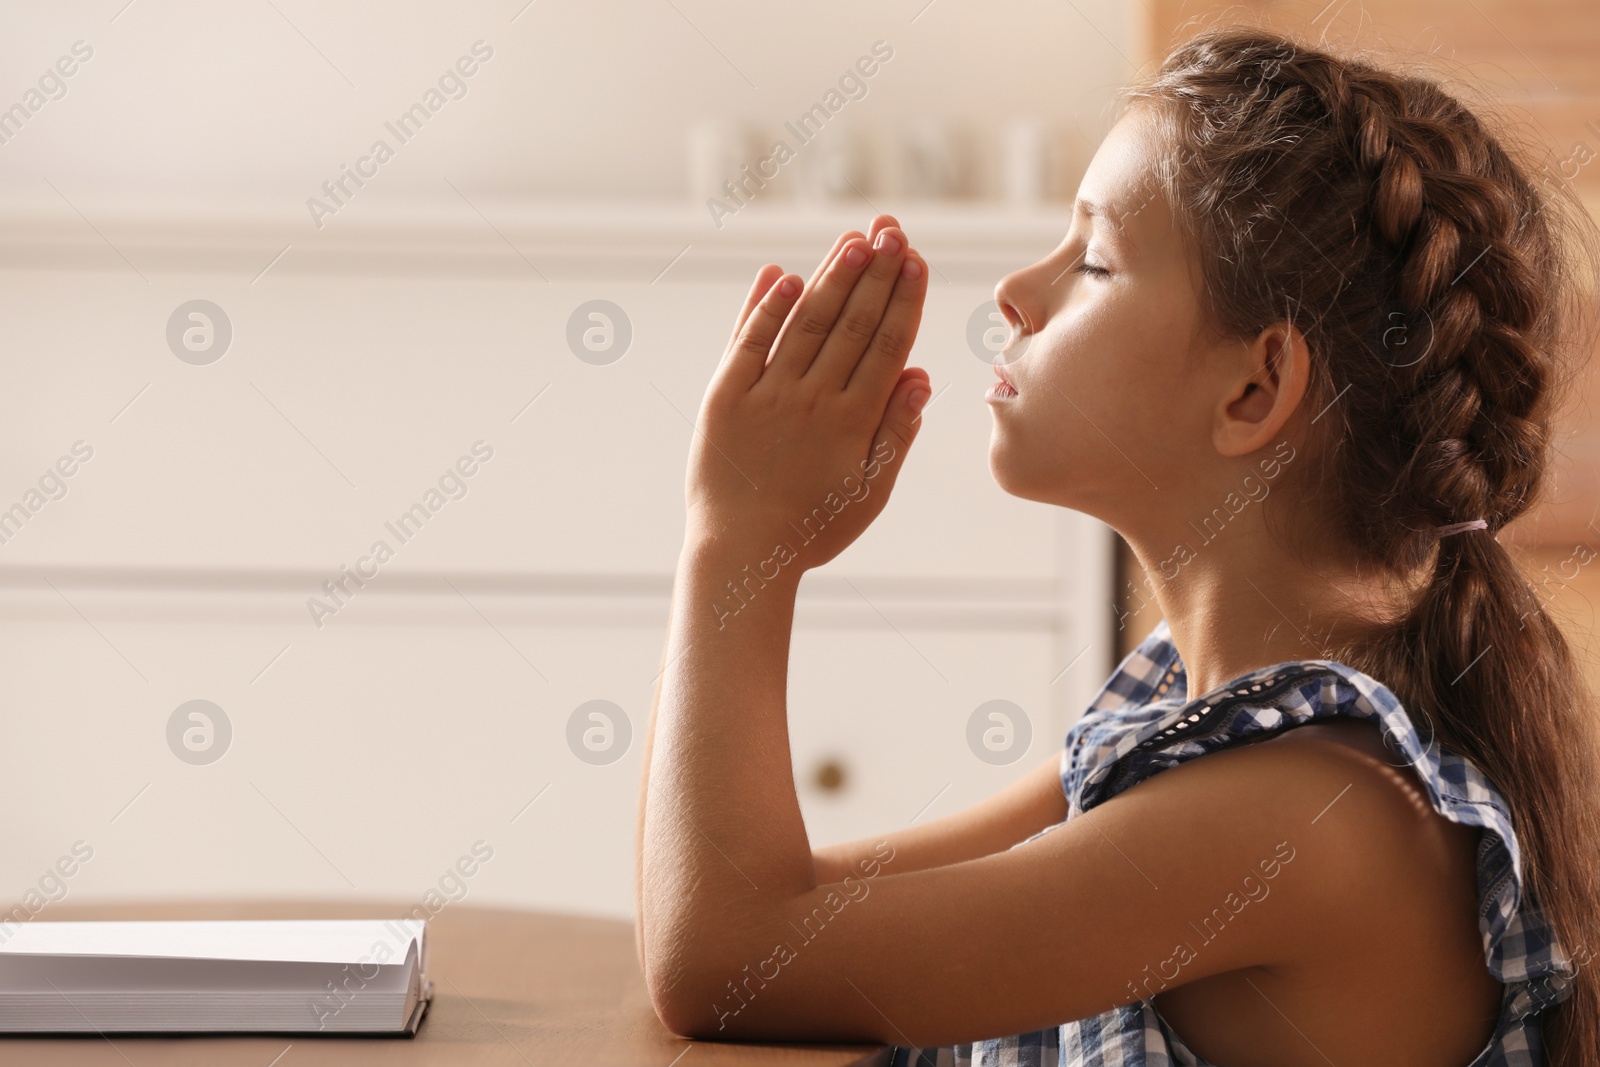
[994,824]
[764,280]
[644,789]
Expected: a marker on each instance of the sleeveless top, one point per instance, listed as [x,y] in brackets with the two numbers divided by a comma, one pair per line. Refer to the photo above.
[1142,722]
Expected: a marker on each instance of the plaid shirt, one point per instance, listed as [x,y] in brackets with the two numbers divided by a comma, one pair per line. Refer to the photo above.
[1142,722]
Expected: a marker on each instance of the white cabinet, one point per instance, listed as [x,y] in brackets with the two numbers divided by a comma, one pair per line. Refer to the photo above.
[430,707]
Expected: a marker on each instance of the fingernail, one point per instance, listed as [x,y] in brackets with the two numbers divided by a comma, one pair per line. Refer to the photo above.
[788,287]
[911,269]
[854,256]
[917,398]
[888,243]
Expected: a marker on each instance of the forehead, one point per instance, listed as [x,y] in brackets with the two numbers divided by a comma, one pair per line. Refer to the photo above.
[1119,195]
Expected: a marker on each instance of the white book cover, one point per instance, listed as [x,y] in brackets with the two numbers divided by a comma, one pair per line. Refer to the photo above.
[258,976]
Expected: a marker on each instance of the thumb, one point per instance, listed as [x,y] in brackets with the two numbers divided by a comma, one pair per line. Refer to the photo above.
[902,419]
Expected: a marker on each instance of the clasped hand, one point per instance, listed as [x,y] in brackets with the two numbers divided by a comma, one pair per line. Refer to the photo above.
[807,421]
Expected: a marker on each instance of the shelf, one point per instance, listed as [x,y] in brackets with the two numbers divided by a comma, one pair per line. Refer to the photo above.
[542,242]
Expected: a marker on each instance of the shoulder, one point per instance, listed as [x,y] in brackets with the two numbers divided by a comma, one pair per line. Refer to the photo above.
[1315,815]
[1338,774]
[1356,812]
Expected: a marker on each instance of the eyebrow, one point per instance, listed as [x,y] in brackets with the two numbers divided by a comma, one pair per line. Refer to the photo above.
[1117,232]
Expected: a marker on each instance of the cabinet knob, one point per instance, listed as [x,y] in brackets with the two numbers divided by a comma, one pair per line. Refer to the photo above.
[830,776]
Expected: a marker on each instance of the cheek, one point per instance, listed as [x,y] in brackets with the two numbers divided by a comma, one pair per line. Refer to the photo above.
[1128,352]
[1104,401]
[1113,358]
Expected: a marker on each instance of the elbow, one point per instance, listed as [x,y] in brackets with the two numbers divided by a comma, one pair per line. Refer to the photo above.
[688,982]
[683,999]
[690,971]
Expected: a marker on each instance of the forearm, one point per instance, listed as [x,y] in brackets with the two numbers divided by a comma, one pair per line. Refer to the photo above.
[644,784]
[724,839]
[1019,811]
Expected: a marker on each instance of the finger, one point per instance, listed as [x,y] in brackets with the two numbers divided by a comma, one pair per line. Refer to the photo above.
[747,357]
[766,277]
[864,308]
[818,308]
[833,252]
[880,365]
[880,222]
[844,239]
[902,419]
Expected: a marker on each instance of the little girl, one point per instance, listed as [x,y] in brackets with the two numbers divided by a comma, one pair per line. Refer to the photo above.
[1339,806]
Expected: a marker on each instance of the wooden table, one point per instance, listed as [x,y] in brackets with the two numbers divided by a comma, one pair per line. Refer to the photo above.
[510,988]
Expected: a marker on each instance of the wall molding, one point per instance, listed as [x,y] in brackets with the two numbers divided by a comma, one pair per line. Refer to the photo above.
[540,243]
[201,595]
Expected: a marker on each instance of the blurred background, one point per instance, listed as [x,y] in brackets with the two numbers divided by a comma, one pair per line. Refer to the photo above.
[352,356]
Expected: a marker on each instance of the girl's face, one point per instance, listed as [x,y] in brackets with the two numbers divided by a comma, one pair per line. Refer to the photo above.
[1115,388]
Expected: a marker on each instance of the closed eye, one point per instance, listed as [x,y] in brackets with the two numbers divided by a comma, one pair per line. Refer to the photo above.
[1090,268]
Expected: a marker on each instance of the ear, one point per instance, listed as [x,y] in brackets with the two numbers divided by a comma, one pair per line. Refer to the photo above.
[1273,371]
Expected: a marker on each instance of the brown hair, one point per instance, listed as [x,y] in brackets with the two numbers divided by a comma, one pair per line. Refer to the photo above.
[1440,292]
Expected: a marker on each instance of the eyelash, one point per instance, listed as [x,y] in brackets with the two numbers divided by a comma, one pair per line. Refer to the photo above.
[1090,268]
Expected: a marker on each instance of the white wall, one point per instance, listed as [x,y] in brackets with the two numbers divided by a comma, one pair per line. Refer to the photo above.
[195,103]
[370,752]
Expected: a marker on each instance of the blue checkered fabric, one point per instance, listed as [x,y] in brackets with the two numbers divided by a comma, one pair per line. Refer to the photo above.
[1142,722]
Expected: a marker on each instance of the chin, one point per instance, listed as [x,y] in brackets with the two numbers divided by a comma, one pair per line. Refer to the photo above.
[1014,471]
[1010,470]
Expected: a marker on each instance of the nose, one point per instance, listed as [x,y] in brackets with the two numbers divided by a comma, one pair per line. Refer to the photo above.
[1017,306]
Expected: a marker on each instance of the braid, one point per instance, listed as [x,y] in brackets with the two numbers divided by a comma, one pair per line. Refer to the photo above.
[1427,274]
[1474,408]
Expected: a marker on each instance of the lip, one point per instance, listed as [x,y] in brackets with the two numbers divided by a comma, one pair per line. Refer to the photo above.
[1005,388]
[1002,375]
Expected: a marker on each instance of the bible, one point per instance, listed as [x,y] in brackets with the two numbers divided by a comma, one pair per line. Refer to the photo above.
[319,976]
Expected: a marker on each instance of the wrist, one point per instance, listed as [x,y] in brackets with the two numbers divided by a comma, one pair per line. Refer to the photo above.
[718,561]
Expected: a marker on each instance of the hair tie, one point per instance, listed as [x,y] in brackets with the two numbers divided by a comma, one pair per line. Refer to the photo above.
[1455,528]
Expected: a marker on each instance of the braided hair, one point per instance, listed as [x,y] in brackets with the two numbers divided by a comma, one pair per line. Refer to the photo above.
[1439,290]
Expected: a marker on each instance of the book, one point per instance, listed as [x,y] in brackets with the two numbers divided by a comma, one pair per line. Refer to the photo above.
[316,976]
